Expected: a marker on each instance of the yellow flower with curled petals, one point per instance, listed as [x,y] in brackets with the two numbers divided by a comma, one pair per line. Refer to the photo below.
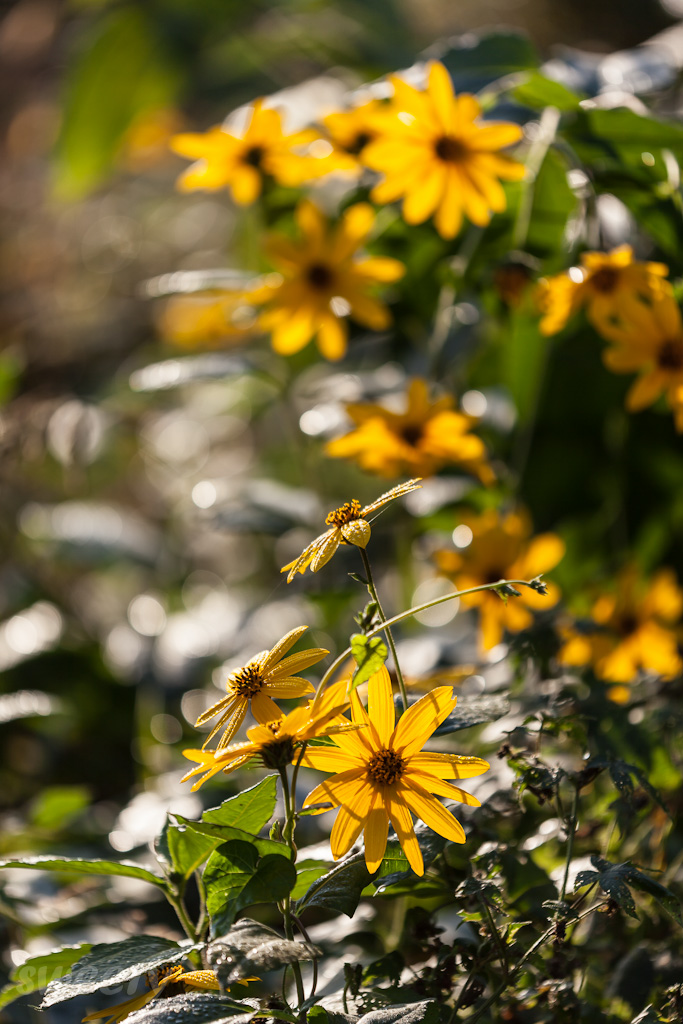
[649,342]
[502,548]
[256,683]
[607,285]
[436,154]
[276,742]
[383,775]
[421,440]
[165,981]
[240,161]
[347,525]
[633,629]
[323,280]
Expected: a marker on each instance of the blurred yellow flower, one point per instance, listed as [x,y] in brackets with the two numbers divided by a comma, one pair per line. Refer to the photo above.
[634,630]
[350,131]
[209,321]
[165,981]
[649,341]
[502,548]
[607,284]
[383,775]
[275,742]
[324,280]
[443,160]
[423,439]
[347,525]
[145,143]
[226,159]
[264,677]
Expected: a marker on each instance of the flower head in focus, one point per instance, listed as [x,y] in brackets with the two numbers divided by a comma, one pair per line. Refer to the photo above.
[277,741]
[607,285]
[438,155]
[427,436]
[632,629]
[240,161]
[165,981]
[383,775]
[347,525]
[502,548]
[324,280]
[649,342]
[266,676]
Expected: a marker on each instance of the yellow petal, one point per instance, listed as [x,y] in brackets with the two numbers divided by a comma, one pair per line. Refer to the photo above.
[438,787]
[296,663]
[331,759]
[417,724]
[644,392]
[350,820]
[281,647]
[326,549]
[403,826]
[332,337]
[441,93]
[542,554]
[376,831]
[448,766]
[381,705]
[338,789]
[264,709]
[434,814]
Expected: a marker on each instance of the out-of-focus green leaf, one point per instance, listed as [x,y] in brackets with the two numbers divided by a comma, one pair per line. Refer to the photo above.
[552,204]
[622,131]
[79,866]
[475,62]
[237,876]
[537,91]
[194,1008]
[39,971]
[523,356]
[250,948]
[56,806]
[119,74]
[369,654]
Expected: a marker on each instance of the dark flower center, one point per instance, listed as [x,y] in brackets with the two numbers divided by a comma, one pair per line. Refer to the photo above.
[493,576]
[319,276]
[360,142]
[670,355]
[345,514]
[248,681]
[253,156]
[450,150]
[280,752]
[626,624]
[386,767]
[605,280]
[411,433]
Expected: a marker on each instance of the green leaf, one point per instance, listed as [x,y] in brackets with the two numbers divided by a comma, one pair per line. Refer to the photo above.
[475,62]
[56,806]
[612,879]
[187,849]
[553,203]
[238,875]
[471,711]
[395,868]
[224,833]
[659,892]
[523,357]
[339,890]
[115,963]
[621,130]
[251,948]
[79,866]
[194,1008]
[308,872]
[425,1012]
[39,971]
[537,91]
[369,654]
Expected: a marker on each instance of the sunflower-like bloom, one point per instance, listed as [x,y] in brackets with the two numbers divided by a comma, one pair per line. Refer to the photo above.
[437,155]
[383,775]
[323,280]
[502,548]
[241,161]
[632,630]
[277,742]
[209,321]
[347,525]
[165,981]
[608,285]
[256,683]
[650,342]
[427,436]
[350,131]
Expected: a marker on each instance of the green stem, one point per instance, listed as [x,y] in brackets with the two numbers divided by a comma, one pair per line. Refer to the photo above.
[372,589]
[177,902]
[570,840]
[288,836]
[502,952]
[341,658]
[547,130]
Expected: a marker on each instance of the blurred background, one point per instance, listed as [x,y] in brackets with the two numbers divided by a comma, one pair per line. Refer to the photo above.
[147,502]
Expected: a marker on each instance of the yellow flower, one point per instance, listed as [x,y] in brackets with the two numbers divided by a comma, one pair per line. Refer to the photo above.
[634,629]
[383,775]
[347,525]
[607,284]
[166,981]
[502,548]
[350,131]
[264,677]
[208,320]
[427,436]
[145,143]
[225,159]
[323,280]
[437,155]
[276,742]
[650,342]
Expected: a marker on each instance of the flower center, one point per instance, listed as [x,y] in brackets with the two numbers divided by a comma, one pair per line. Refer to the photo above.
[345,514]
[248,681]
[386,767]
[253,156]
[670,355]
[626,624]
[360,142]
[605,280]
[450,150]
[280,752]
[154,978]
[319,276]
[411,433]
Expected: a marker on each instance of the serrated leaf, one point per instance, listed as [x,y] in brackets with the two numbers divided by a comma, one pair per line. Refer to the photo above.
[225,833]
[659,892]
[251,947]
[193,1008]
[369,653]
[115,963]
[238,875]
[425,1012]
[395,869]
[80,866]
[39,971]
[339,890]
[612,880]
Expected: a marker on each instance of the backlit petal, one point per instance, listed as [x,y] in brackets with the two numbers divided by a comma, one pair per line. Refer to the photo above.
[376,830]
[381,705]
[403,826]
[418,723]
[434,814]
